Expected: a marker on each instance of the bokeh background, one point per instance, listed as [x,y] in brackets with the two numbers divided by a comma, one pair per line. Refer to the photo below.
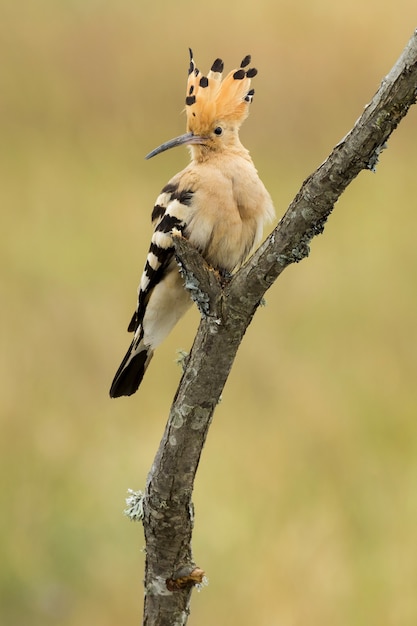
[306,495]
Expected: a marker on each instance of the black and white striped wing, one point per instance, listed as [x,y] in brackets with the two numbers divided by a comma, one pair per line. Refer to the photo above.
[170,212]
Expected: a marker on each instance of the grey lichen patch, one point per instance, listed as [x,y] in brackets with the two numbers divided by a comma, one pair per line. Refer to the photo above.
[308,213]
[195,416]
[199,418]
[192,284]
[134,505]
[182,358]
[281,259]
[177,420]
[172,440]
[157,587]
[374,158]
[300,252]
[200,297]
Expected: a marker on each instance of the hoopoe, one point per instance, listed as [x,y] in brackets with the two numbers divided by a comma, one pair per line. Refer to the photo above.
[217,202]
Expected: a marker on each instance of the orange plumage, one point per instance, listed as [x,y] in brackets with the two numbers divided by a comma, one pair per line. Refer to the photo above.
[211,99]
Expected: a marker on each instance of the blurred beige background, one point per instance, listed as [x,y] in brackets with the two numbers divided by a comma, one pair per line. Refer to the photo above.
[306,496]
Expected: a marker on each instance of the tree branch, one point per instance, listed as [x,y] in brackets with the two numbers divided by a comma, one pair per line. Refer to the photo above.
[358,150]
[227,309]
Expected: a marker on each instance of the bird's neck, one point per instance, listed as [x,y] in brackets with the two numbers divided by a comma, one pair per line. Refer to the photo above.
[202,153]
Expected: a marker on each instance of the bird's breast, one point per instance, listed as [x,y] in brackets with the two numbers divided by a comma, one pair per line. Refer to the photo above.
[227,212]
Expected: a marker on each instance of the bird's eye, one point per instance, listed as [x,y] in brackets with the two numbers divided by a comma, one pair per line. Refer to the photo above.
[218,130]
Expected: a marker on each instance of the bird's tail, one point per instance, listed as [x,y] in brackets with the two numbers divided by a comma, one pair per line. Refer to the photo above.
[130,373]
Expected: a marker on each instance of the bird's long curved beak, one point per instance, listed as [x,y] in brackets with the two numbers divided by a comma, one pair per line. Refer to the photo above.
[182,140]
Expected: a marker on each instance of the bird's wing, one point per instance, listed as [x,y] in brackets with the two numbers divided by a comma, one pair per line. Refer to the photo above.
[170,212]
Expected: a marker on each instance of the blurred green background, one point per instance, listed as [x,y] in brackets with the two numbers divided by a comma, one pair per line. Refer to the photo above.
[306,495]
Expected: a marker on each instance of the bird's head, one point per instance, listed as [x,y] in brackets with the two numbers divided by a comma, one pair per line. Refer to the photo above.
[215,108]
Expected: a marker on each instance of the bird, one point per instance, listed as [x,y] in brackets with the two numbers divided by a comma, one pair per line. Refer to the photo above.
[218,203]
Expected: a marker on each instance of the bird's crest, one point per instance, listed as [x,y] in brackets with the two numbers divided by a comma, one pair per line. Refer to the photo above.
[210,99]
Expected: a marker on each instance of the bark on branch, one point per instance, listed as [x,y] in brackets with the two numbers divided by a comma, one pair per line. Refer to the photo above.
[227,308]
